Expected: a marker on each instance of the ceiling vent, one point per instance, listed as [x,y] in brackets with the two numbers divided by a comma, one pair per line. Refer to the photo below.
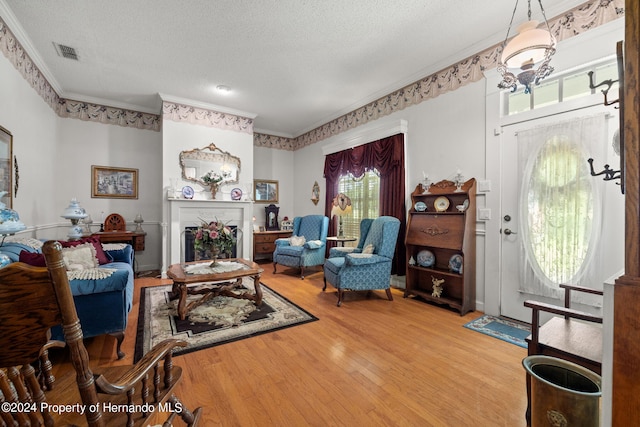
[66,51]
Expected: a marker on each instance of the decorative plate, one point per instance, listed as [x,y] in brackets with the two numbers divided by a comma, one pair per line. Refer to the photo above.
[455,263]
[187,192]
[463,207]
[236,194]
[426,258]
[420,206]
[441,204]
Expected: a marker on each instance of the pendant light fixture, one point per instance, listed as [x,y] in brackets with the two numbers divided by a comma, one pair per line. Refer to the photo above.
[525,59]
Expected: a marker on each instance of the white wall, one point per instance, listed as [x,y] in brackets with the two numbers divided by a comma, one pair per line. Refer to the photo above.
[34,127]
[54,162]
[443,135]
[83,144]
[181,136]
[277,165]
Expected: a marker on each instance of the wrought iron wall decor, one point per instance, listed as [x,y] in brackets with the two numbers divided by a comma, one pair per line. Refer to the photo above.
[17,176]
[609,173]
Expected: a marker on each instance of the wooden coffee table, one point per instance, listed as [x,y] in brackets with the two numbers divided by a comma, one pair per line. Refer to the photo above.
[213,284]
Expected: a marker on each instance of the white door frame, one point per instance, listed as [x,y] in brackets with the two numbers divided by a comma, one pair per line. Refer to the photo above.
[592,46]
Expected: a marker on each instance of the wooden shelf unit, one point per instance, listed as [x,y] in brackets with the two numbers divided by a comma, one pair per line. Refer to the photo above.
[444,234]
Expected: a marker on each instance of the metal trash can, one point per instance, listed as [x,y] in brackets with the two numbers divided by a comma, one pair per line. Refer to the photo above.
[563,394]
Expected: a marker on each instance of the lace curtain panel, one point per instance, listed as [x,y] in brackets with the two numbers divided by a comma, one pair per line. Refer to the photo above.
[560,209]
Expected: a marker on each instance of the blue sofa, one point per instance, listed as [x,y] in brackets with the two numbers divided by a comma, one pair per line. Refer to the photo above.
[103,305]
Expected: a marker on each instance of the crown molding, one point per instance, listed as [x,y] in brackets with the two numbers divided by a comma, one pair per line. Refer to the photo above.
[205,106]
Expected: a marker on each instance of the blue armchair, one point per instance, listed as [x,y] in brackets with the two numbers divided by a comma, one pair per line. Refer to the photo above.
[307,253]
[338,251]
[365,271]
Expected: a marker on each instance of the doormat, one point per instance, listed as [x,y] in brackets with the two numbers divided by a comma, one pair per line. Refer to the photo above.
[218,321]
[501,328]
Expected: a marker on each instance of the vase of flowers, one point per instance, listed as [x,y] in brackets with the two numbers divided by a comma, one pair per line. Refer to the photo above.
[214,238]
[213,179]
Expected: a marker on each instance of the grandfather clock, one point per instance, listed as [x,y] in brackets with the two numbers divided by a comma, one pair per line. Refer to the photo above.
[271,217]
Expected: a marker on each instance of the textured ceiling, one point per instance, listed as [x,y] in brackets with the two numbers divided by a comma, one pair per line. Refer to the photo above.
[295,64]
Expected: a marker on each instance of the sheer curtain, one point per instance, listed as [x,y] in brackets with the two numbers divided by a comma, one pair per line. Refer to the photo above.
[560,209]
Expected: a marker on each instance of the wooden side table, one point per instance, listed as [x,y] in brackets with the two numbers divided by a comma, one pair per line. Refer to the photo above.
[134,238]
[341,240]
[264,242]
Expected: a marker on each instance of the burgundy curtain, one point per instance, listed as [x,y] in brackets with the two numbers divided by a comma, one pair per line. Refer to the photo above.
[387,157]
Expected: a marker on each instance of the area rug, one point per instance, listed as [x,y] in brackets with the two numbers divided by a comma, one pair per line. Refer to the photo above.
[218,321]
[501,328]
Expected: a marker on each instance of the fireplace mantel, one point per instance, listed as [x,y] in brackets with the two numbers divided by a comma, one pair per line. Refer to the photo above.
[183,213]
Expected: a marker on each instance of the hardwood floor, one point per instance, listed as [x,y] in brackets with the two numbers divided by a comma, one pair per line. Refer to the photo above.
[369,362]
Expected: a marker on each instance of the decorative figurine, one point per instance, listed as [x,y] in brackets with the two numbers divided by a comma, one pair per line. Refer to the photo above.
[437,287]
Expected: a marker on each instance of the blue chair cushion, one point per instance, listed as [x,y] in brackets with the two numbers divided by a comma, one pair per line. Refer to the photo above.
[117,281]
[334,264]
[365,259]
[291,250]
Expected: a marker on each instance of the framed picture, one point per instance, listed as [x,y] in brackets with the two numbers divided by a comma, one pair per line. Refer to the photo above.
[6,152]
[114,183]
[265,191]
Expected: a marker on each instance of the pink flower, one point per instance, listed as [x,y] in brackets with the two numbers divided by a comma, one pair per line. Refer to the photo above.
[199,234]
[214,234]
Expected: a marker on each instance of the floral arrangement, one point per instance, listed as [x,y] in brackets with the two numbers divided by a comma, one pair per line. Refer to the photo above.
[214,234]
[213,178]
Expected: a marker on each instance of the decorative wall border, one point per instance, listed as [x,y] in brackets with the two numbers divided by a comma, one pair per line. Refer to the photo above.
[200,116]
[15,53]
[108,115]
[272,141]
[576,21]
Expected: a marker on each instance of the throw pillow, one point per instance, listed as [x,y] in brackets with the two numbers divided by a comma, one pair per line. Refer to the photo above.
[32,258]
[100,253]
[80,257]
[368,249]
[314,244]
[297,240]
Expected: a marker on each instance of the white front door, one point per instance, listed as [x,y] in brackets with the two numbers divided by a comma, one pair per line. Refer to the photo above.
[511,297]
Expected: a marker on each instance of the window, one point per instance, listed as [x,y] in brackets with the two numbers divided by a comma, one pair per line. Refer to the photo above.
[562,88]
[364,193]
[558,210]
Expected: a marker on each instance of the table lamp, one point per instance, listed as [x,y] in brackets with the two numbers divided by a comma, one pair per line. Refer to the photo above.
[341,207]
[74,212]
[138,221]
[9,219]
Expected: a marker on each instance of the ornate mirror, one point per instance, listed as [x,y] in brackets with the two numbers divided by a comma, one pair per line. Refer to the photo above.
[6,154]
[198,162]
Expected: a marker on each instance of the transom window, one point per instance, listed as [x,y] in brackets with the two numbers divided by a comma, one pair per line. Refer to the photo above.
[364,193]
[563,88]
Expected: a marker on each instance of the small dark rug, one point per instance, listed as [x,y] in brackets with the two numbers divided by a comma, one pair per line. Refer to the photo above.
[218,321]
[501,328]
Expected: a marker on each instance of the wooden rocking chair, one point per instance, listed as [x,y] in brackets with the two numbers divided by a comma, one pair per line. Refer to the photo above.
[32,300]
